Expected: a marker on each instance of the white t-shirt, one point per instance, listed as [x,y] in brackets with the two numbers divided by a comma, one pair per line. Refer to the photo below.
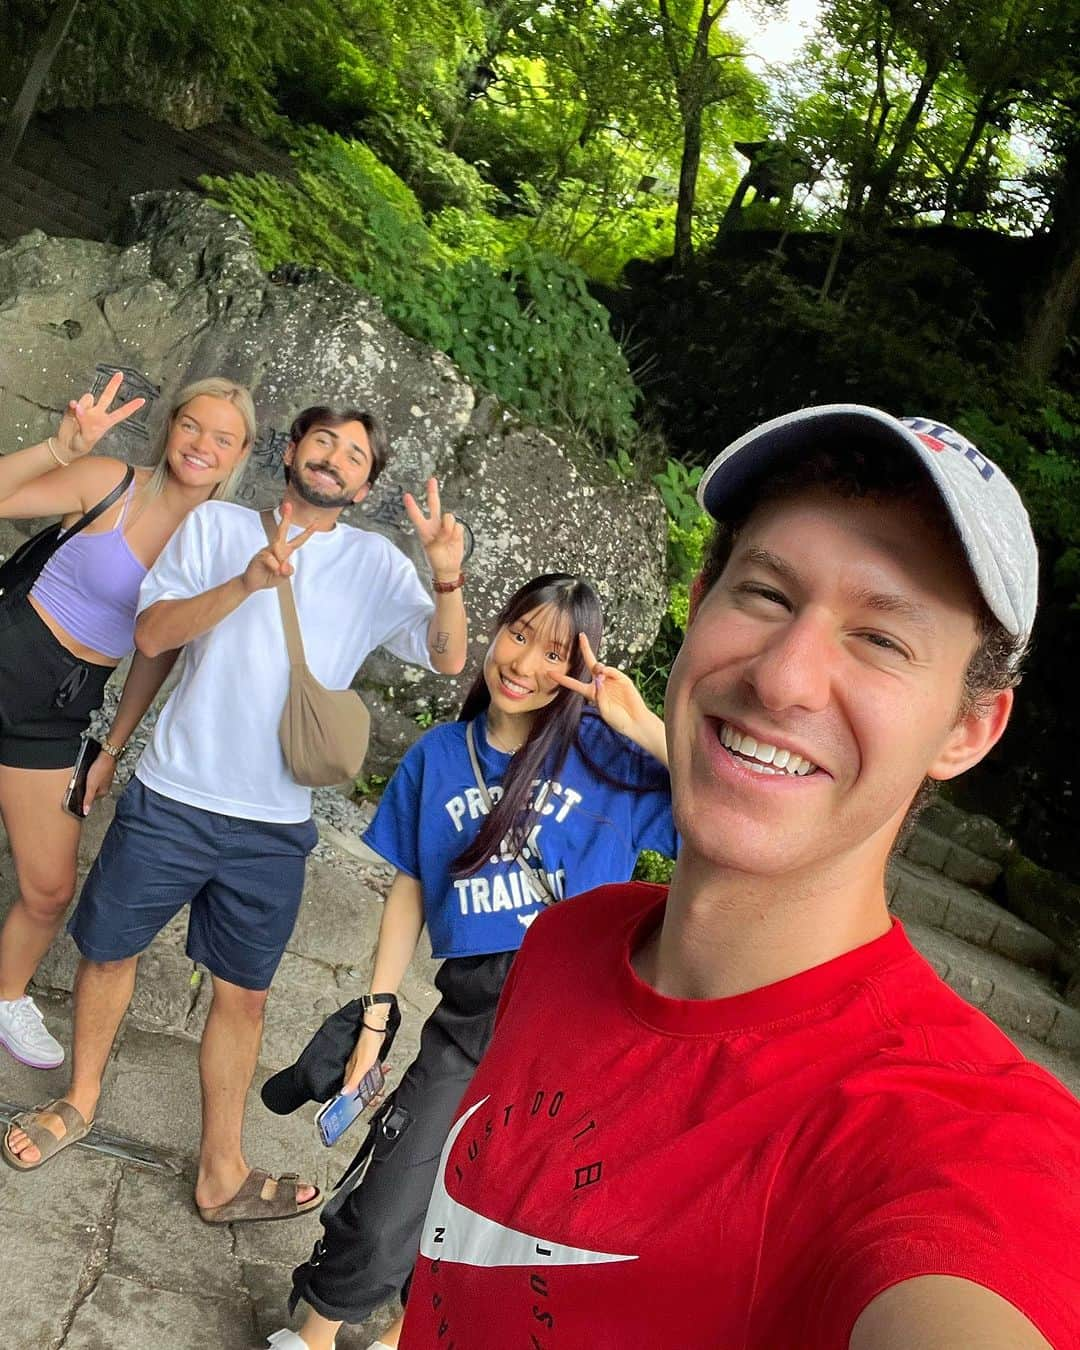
[216,744]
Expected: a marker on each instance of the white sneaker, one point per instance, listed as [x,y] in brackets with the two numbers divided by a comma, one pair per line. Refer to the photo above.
[287,1340]
[23,1033]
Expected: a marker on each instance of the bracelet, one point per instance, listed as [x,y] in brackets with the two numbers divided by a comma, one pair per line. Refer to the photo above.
[64,463]
[379,1031]
[114,750]
[445,587]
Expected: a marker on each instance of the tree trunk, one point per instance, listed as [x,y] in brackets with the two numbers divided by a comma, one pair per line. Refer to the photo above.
[978,126]
[40,65]
[688,174]
[885,178]
[1051,309]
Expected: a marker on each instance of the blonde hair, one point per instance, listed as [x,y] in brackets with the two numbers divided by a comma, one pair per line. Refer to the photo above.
[214,387]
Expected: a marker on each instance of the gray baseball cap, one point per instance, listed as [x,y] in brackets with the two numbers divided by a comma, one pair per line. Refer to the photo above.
[990,519]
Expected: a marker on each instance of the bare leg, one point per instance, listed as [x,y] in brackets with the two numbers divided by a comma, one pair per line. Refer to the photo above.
[102,994]
[392,1334]
[44,845]
[317,1333]
[227,1060]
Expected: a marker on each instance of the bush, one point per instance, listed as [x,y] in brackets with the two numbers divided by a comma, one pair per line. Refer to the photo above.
[439,178]
[524,327]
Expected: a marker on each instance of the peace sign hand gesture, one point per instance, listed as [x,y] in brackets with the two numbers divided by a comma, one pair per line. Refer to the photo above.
[87,419]
[618,702]
[442,537]
[271,565]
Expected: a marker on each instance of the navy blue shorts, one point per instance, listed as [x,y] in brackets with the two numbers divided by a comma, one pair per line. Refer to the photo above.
[242,878]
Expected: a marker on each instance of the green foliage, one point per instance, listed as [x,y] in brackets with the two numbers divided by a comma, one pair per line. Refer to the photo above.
[439,178]
[524,327]
[534,336]
[369,787]
[689,530]
[653,867]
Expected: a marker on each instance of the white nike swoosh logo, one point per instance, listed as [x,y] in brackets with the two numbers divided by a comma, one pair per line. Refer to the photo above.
[453,1232]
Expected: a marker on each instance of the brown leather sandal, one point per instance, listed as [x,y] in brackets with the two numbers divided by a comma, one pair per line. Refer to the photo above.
[43,1139]
[250,1205]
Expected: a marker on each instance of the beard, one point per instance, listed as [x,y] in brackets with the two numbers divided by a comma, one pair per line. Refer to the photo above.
[317,496]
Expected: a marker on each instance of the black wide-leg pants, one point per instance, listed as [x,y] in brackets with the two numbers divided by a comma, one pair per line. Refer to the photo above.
[372,1227]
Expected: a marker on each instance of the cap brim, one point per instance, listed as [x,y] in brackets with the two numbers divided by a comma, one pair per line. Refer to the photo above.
[752,455]
[282,1093]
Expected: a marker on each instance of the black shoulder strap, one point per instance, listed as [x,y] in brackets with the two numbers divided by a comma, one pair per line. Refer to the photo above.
[100,507]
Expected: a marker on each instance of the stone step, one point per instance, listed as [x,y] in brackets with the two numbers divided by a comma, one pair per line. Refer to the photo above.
[15,221]
[952,858]
[56,211]
[129,153]
[920,894]
[1017,999]
[28,183]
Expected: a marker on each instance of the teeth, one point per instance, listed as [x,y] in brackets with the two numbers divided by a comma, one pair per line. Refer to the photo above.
[765,758]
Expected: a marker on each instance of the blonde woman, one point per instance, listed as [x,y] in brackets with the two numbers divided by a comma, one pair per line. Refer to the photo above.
[60,644]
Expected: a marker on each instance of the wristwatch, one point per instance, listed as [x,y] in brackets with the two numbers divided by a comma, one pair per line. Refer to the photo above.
[115,751]
[374,1000]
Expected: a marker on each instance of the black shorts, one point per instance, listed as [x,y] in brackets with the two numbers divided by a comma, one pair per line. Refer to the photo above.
[47,696]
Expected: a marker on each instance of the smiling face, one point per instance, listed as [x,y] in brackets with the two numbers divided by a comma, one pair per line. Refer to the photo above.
[820,682]
[521,660]
[206,441]
[330,466]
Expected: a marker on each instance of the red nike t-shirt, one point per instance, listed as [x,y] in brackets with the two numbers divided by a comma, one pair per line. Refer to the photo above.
[629,1170]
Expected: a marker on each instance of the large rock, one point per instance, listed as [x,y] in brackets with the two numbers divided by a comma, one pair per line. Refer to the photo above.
[183,296]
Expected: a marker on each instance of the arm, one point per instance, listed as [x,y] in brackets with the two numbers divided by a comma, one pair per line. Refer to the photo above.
[399,932]
[144,679]
[169,624]
[444,544]
[941,1312]
[619,703]
[44,480]
[448,631]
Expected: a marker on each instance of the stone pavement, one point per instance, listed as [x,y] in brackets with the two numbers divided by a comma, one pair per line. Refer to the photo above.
[106,1252]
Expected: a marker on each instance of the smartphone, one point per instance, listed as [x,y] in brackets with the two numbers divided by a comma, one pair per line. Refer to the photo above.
[76,789]
[339,1112]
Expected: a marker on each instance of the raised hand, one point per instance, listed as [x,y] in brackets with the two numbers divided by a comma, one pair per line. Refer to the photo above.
[615,694]
[87,419]
[271,565]
[442,537]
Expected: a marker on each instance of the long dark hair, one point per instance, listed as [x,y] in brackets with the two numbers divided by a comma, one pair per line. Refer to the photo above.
[554,728]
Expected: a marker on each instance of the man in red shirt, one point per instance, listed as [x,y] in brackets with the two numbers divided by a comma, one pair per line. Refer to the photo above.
[743,1112]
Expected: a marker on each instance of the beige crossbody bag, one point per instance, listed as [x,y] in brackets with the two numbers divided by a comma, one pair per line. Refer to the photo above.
[323,732]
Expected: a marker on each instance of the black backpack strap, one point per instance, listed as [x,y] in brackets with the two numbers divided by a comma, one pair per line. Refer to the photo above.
[99,508]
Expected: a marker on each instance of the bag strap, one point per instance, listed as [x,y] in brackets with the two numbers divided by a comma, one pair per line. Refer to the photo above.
[290,620]
[110,499]
[536,876]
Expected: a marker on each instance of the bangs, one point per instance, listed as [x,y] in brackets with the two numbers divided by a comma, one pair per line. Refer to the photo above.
[553,625]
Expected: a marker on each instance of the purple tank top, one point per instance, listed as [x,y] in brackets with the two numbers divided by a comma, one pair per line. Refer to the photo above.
[90,586]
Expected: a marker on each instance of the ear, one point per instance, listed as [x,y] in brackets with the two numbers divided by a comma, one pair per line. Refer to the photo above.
[973,737]
[290,451]
[698,590]
[361,494]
